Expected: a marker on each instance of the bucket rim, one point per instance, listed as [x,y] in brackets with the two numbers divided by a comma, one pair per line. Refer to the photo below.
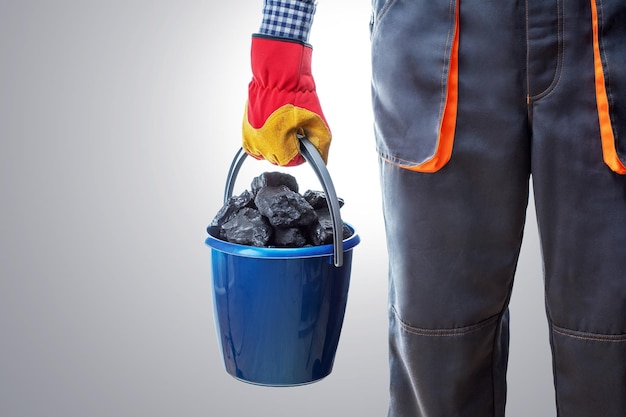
[281,253]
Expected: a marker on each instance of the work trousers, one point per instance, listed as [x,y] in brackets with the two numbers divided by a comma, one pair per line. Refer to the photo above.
[472,99]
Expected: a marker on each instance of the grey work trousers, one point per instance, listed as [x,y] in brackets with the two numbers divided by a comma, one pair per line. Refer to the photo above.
[471,99]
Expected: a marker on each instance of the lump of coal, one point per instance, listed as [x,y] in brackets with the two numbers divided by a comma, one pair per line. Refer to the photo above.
[247,227]
[317,199]
[291,237]
[284,207]
[228,210]
[321,232]
[274,179]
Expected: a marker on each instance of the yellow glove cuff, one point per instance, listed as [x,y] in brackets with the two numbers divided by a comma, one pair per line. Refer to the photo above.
[277,141]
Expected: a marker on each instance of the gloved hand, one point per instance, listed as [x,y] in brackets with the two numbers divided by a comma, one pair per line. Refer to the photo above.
[282,102]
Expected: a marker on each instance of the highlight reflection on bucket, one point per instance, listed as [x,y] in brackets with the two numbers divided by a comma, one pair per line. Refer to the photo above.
[279,311]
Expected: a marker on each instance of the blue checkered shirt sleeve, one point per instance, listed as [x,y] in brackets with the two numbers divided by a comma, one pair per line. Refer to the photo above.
[288,18]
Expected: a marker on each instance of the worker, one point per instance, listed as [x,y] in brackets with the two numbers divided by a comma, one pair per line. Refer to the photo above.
[471,101]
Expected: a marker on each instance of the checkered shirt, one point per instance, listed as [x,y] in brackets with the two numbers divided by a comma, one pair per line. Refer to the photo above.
[288,18]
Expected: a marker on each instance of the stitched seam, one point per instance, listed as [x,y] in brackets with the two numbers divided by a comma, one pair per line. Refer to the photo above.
[401,162]
[496,339]
[595,337]
[558,71]
[460,331]
[527,56]
[607,75]
[381,14]
[555,358]
[445,69]
[605,60]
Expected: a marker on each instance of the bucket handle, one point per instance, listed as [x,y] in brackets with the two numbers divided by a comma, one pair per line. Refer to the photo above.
[312,156]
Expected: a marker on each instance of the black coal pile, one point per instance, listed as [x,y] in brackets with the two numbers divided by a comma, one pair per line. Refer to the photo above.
[274,214]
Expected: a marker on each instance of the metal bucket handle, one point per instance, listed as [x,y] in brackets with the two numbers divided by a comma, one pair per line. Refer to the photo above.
[312,156]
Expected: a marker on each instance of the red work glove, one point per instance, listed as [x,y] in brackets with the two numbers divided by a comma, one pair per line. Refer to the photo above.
[282,102]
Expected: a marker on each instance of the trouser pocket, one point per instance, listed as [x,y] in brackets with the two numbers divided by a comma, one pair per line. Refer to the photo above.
[415,81]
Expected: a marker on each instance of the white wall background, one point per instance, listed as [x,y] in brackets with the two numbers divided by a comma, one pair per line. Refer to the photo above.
[118,120]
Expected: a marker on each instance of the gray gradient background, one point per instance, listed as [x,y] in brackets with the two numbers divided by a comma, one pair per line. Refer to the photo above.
[118,120]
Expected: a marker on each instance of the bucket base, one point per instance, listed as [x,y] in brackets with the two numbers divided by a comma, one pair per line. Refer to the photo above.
[278,385]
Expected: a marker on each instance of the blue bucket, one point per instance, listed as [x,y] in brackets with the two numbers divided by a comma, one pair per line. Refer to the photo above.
[279,311]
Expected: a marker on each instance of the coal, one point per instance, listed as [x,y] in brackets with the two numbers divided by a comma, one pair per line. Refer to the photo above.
[317,199]
[247,227]
[321,231]
[275,214]
[291,237]
[228,210]
[274,179]
[284,207]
